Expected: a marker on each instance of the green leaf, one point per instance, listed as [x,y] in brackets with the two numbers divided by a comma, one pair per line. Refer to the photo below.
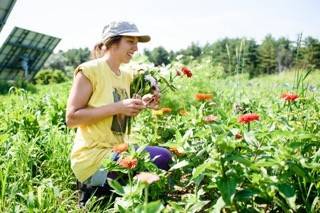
[179,165]
[227,187]
[246,194]
[288,193]
[200,169]
[219,205]
[250,138]
[116,186]
[152,207]
[240,159]
[197,207]
[298,170]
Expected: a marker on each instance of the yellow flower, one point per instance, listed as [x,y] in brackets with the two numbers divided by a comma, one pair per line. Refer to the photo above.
[157,112]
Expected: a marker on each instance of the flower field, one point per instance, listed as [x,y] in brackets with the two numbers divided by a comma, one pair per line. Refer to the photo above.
[238,145]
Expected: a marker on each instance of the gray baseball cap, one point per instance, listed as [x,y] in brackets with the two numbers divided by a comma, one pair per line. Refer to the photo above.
[123,28]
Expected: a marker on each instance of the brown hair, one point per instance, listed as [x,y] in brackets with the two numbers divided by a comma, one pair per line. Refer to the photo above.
[100,48]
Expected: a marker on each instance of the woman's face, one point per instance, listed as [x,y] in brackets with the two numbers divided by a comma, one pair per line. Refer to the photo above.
[127,46]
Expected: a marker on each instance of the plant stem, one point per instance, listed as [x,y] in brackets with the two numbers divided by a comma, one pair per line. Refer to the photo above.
[146,199]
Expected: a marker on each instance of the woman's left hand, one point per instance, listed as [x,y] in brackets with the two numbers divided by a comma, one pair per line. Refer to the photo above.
[151,100]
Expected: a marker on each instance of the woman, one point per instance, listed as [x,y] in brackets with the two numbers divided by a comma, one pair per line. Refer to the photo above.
[99,106]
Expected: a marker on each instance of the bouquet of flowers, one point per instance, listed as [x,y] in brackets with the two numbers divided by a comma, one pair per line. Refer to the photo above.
[152,81]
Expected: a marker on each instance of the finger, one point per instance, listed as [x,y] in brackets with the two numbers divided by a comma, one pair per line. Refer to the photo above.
[137,101]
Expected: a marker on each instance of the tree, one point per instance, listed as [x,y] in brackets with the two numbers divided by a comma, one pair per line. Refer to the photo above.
[267,55]
[311,52]
[158,56]
[56,61]
[284,54]
[76,56]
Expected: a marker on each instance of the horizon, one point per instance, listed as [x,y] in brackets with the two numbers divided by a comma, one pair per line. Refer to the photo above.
[172,25]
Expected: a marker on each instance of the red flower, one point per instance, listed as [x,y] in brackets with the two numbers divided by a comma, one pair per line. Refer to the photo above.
[203,97]
[289,96]
[210,118]
[128,162]
[186,71]
[247,118]
[120,148]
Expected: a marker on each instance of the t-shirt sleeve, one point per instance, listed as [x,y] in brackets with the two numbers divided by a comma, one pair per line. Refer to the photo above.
[88,72]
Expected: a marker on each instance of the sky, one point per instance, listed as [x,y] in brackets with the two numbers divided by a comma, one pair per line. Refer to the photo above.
[173,24]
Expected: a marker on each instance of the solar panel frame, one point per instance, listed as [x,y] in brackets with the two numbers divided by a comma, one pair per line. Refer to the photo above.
[25,44]
[5,10]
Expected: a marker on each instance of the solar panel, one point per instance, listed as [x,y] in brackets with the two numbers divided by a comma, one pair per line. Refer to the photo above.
[24,53]
[5,9]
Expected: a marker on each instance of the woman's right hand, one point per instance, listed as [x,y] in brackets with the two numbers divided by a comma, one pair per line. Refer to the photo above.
[130,107]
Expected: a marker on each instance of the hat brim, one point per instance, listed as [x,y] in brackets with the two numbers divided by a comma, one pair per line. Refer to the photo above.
[141,37]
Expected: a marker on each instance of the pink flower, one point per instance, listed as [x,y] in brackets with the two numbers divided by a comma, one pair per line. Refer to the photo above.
[147,177]
[210,118]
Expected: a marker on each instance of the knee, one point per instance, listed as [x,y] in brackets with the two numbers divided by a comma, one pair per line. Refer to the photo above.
[162,157]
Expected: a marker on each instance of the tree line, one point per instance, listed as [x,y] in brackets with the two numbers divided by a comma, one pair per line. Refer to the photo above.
[235,55]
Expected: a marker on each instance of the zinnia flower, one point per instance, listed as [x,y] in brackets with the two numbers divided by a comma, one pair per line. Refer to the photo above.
[238,136]
[186,71]
[183,112]
[128,162]
[175,151]
[166,110]
[120,148]
[289,96]
[147,177]
[157,112]
[203,97]
[247,118]
[210,118]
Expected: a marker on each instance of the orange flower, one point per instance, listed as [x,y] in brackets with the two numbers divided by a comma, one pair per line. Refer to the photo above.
[289,96]
[247,118]
[210,118]
[147,177]
[120,148]
[183,112]
[128,162]
[166,110]
[203,97]
[175,151]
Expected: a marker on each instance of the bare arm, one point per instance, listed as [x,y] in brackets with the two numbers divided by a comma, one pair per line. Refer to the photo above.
[79,113]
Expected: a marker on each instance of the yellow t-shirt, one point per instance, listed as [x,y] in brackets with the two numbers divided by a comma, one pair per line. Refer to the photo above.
[94,141]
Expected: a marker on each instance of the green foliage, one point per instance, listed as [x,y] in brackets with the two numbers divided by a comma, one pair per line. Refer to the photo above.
[48,76]
[5,86]
[70,58]
[218,166]
[158,56]
[267,54]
